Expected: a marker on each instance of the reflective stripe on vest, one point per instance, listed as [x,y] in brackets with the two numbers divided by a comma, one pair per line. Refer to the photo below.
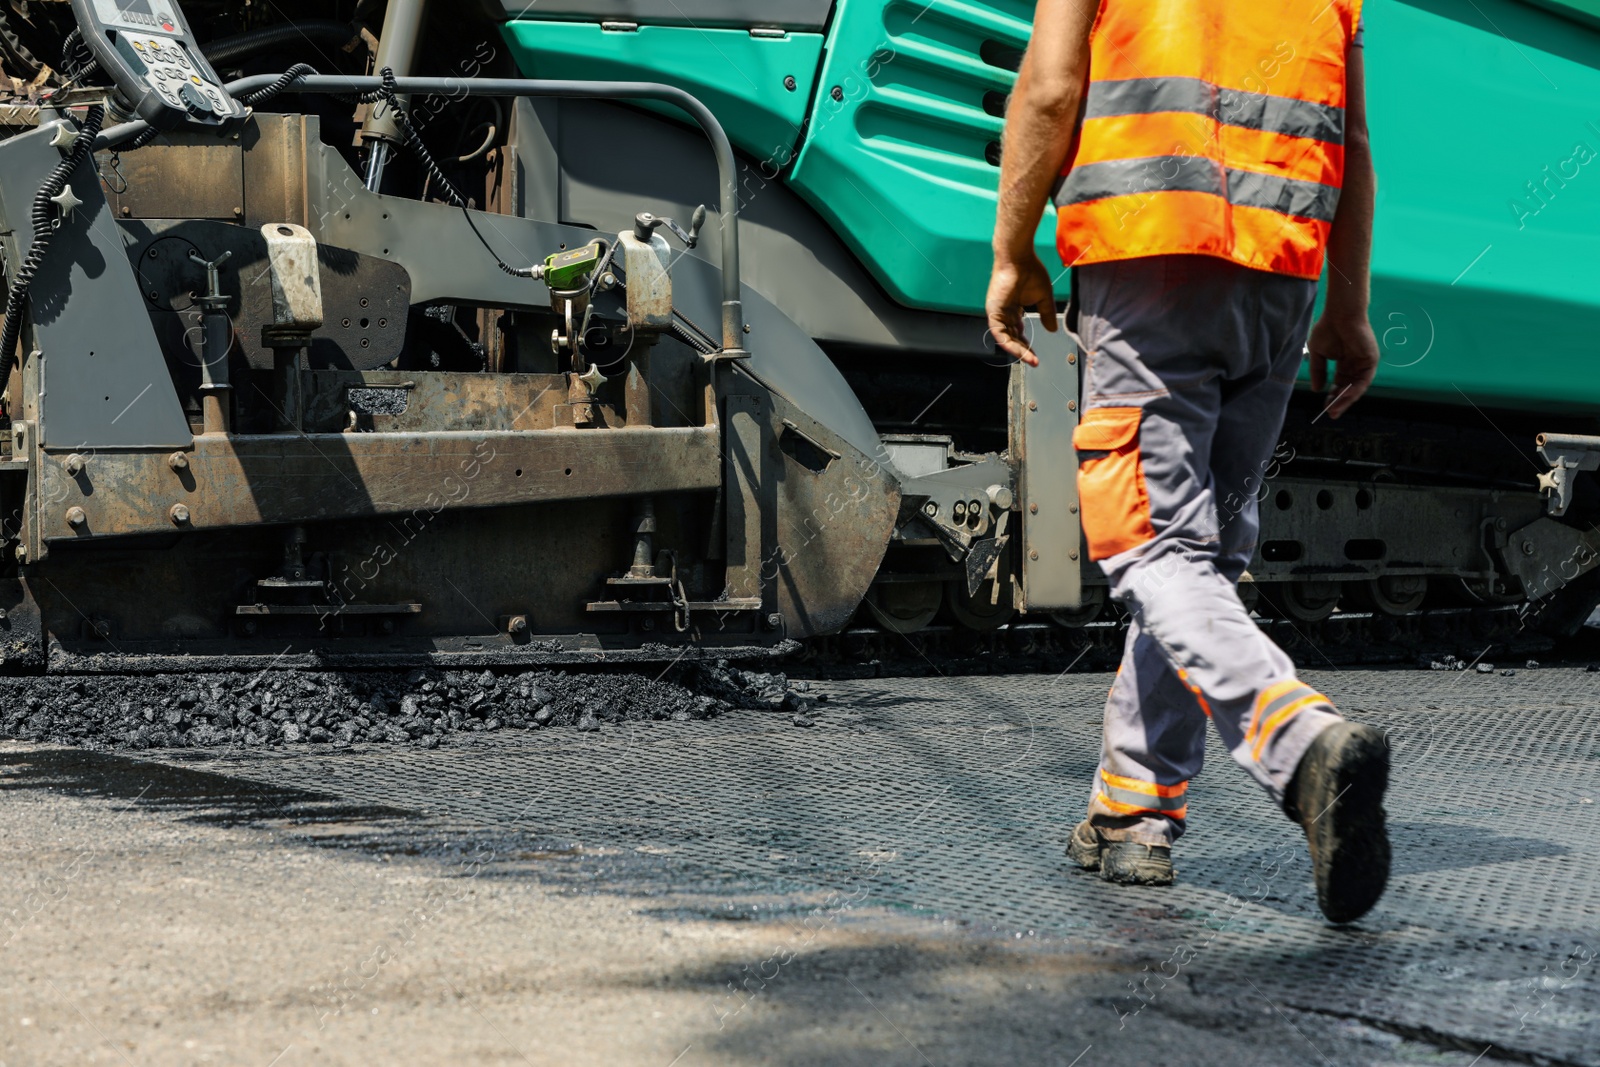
[1213,128]
[1235,107]
[1120,177]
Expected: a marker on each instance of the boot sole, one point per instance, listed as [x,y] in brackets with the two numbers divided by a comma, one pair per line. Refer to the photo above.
[1349,843]
[1139,868]
[1084,854]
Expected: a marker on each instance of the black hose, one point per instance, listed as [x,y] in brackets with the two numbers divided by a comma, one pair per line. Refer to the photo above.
[44,228]
[309,31]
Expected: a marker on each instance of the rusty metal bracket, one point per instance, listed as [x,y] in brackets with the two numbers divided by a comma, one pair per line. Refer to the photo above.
[255,480]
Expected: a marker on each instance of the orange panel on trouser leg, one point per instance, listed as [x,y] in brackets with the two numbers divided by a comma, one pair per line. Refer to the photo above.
[1205,705]
[1111,487]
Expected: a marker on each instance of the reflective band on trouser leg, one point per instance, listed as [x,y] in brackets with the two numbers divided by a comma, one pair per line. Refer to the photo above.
[1129,796]
[1276,705]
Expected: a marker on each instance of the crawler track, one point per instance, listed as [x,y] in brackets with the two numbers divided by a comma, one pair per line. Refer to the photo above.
[1346,640]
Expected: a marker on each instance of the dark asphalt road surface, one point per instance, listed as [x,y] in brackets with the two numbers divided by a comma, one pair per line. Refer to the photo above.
[886,886]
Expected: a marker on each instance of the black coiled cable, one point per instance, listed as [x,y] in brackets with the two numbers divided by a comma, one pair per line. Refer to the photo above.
[389,95]
[289,77]
[143,139]
[77,62]
[690,334]
[45,224]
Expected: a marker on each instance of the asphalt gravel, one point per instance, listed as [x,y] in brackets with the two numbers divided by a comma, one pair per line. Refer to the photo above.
[338,709]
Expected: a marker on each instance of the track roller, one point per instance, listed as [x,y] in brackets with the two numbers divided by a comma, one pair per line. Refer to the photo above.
[905,607]
[1390,595]
[1094,602]
[985,611]
[1302,601]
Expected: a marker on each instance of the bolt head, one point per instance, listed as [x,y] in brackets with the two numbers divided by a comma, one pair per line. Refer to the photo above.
[179,514]
[74,464]
[250,627]
[1033,553]
[76,517]
[178,461]
[1527,548]
[1033,509]
[930,508]
[1033,405]
[774,621]
[790,84]
[517,625]
[838,94]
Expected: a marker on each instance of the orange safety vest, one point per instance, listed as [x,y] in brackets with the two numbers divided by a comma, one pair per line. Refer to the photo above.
[1210,127]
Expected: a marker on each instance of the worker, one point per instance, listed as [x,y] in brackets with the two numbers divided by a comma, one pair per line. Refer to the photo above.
[1205,156]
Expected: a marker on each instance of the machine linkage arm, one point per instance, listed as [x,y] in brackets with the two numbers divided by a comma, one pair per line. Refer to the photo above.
[727,169]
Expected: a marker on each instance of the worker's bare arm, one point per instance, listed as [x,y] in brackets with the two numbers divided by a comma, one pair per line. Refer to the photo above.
[1041,123]
[1344,333]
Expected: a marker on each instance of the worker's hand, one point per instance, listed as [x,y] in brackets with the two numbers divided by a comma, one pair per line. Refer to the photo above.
[1018,284]
[1348,341]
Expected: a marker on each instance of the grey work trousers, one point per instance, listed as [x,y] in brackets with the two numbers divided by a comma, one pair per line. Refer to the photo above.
[1190,363]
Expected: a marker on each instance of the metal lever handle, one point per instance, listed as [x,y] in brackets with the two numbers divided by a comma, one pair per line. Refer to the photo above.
[213,276]
[645,225]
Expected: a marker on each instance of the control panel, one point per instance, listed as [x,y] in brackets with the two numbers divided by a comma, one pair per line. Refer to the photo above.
[147,48]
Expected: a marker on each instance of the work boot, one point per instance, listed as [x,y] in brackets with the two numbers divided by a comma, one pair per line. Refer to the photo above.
[1336,795]
[1132,863]
[1123,862]
[1083,848]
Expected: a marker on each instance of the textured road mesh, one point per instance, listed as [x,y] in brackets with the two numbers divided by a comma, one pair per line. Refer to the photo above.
[955,797]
